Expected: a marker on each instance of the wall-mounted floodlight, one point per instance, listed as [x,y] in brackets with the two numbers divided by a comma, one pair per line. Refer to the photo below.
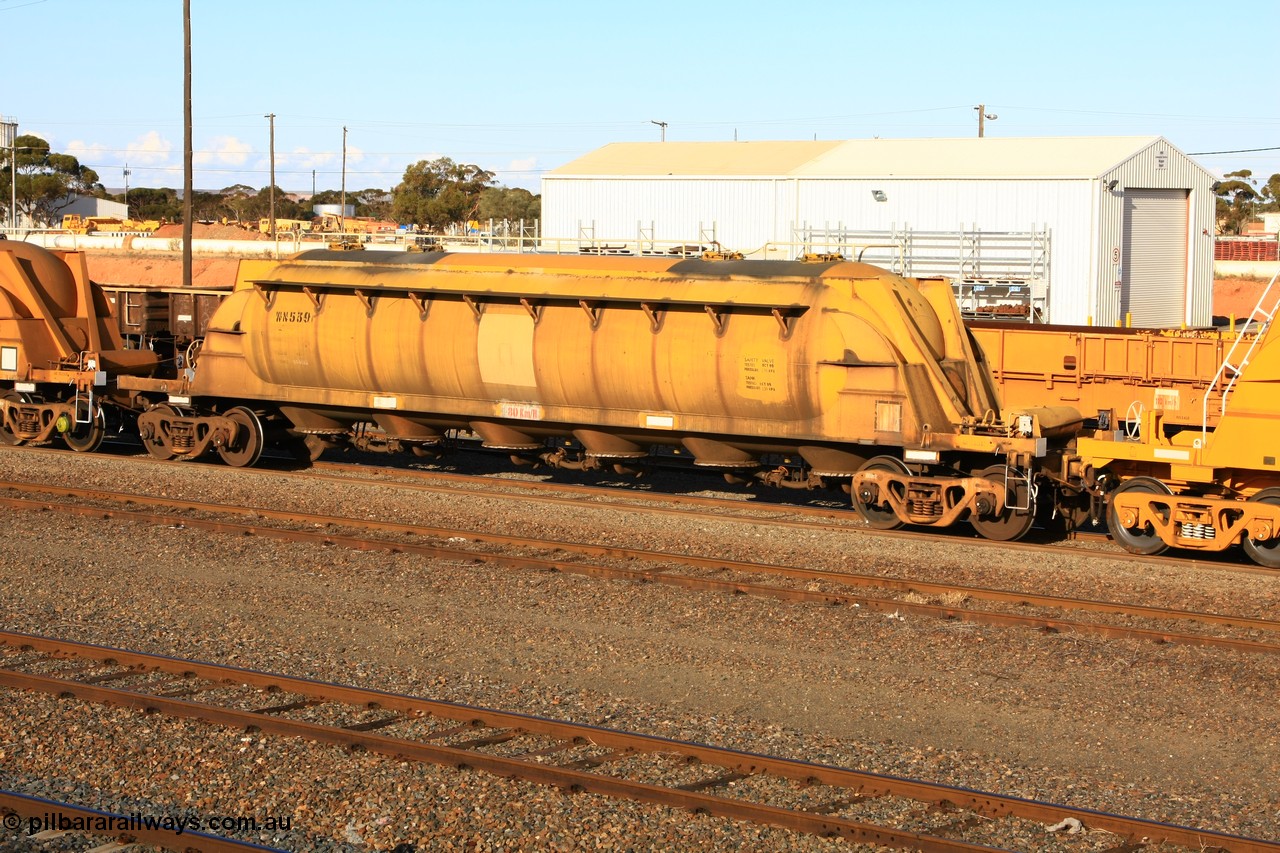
[983,118]
[1111,185]
[879,195]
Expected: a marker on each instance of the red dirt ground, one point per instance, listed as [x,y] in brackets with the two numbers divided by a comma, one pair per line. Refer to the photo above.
[160,270]
[200,231]
[1236,296]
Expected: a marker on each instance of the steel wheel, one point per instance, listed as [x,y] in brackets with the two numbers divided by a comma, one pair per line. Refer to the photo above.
[6,435]
[1265,553]
[1011,524]
[245,449]
[1133,540]
[873,513]
[157,444]
[86,437]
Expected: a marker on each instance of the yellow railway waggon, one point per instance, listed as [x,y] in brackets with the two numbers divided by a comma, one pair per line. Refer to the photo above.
[864,378]
[803,374]
[1182,435]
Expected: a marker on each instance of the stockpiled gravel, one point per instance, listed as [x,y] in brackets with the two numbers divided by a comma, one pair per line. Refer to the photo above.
[1172,734]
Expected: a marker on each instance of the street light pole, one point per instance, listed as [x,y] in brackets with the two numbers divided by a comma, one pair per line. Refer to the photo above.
[126,191]
[342,212]
[984,116]
[272,118]
[188,203]
[663,125]
[10,128]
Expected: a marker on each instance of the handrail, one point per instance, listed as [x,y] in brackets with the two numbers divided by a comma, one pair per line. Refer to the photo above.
[1263,319]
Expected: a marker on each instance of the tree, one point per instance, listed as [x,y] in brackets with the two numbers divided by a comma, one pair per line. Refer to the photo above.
[259,207]
[375,203]
[149,203]
[46,180]
[439,192]
[328,197]
[205,206]
[511,205]
[1237,199]
[238,200]
[1271,194]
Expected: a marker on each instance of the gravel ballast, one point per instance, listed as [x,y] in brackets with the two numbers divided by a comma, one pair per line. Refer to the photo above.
[1173,734]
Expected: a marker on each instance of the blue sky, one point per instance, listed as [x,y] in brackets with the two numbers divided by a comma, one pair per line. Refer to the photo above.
[519,88]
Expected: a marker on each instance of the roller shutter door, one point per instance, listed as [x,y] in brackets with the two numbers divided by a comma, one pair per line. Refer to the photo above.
[1155,257]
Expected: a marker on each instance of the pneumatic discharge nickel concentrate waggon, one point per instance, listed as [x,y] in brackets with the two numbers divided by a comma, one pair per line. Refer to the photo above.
[795,373]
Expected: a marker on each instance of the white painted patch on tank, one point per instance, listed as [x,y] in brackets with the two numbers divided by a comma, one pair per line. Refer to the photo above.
[521,411]
[1168,399]
[504,347]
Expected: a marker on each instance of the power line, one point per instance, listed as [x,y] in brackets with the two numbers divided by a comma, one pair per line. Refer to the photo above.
[391,170]
[1237,151]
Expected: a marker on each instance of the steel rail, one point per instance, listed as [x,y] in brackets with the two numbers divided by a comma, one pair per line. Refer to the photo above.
[987,617]
[848,579]
[125,829]
[572,775]
[843,578]
[855,525]
[846,518]
[852,522]
[749,503]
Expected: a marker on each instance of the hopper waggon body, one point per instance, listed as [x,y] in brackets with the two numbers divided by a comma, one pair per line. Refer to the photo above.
[809,373]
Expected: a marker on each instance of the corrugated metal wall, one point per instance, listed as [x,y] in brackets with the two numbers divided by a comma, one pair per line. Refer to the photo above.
[750,213]
[949,205]
[1084,217]
[1158,166]
[742,210]
[89,206]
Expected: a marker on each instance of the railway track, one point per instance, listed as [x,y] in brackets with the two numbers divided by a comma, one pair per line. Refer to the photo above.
[790,583]
[21,810]
[748,509]
[754,509]
[803,796]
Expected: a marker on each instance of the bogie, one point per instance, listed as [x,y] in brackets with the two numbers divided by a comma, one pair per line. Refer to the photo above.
[1135,528]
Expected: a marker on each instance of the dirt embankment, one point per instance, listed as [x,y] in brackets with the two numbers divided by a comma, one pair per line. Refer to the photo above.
[165,270]
[200,231]
[160,270]
[1236,296]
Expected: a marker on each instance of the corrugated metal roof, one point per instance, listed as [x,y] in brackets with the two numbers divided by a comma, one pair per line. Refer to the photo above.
[1041,157]
[696,158]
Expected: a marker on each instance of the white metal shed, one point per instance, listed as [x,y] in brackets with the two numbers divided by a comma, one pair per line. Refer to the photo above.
[1113,226]
[89,206]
